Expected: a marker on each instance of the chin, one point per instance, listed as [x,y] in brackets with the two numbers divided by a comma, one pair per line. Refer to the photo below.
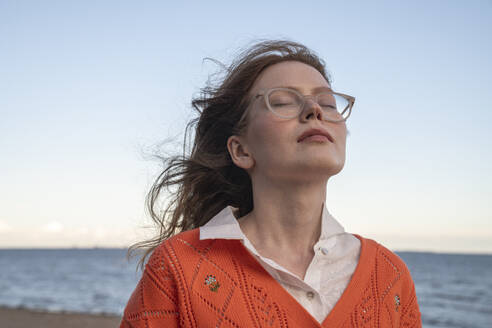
[324,169]
[336,170]
[336,167]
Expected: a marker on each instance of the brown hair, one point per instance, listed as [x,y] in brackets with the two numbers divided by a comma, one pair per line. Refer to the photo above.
[207,180]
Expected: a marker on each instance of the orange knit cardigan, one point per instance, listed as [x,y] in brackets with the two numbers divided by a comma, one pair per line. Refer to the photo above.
[189,282]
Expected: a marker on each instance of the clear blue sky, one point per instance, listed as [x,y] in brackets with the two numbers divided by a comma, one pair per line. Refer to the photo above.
[85,86]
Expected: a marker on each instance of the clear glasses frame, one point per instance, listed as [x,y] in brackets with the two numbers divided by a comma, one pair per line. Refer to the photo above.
[350,102]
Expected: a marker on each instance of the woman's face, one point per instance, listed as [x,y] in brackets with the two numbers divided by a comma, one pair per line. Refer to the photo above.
[271,142]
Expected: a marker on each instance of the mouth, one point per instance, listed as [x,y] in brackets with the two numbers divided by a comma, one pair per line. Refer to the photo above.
[316,135]
[316,138]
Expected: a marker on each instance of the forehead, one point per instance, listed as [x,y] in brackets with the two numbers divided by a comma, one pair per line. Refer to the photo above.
[290,73]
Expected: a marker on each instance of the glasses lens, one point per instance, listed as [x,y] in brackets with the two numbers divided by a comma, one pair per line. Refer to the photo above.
[288,104]
[335,106]
[285,103]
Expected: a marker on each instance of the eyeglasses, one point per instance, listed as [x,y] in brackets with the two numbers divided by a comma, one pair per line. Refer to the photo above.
[289,103]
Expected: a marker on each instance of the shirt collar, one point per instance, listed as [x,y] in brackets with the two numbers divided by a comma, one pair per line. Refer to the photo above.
[224,225]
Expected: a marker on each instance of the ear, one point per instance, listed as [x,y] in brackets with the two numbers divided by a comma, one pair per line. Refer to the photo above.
[239,152]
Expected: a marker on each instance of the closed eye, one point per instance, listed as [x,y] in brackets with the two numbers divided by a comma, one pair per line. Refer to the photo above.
[282,104]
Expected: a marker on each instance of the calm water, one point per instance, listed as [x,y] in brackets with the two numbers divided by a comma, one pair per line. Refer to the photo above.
[453,290]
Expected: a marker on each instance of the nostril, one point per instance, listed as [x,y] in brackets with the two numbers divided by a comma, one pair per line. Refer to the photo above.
[316,113]
[311,109]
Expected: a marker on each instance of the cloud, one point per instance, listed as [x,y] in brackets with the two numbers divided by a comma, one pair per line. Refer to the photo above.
[4,227]
[52,227]
[59,234]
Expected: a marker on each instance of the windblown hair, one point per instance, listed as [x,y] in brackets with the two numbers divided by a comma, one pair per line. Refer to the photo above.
[207,180]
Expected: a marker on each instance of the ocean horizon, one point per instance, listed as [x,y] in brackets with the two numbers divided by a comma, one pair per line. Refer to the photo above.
[453,289]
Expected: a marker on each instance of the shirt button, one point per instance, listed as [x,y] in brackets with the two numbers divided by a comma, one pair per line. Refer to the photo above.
[324,250]
[310,294]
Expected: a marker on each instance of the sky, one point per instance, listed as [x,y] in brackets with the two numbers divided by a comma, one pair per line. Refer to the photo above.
[89,89]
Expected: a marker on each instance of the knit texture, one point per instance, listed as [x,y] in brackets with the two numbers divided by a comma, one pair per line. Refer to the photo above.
[189,282]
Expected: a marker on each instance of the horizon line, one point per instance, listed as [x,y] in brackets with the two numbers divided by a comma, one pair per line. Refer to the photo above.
[406,250]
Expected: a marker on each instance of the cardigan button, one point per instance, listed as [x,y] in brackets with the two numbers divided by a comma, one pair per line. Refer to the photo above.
[324,250]
[310,294]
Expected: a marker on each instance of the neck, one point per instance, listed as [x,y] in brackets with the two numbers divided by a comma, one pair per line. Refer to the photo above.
[286,217]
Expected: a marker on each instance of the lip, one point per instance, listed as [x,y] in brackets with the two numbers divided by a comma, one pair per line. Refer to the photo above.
[312,132]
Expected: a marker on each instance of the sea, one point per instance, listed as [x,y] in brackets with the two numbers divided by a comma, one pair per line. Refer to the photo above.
[453,290]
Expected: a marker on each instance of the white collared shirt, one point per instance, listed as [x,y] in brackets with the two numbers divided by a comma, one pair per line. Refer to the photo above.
[336,255]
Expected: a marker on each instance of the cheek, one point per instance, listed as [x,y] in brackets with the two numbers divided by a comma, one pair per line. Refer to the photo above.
[268,136]
[340,133]
[342,144]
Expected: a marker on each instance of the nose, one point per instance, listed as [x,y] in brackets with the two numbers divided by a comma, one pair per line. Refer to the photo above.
[311,109]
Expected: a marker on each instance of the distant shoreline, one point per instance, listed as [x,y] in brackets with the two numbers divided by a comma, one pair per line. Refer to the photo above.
[404,251]
[22,317]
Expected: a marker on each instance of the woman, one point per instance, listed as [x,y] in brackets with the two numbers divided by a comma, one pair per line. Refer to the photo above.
[250,242]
